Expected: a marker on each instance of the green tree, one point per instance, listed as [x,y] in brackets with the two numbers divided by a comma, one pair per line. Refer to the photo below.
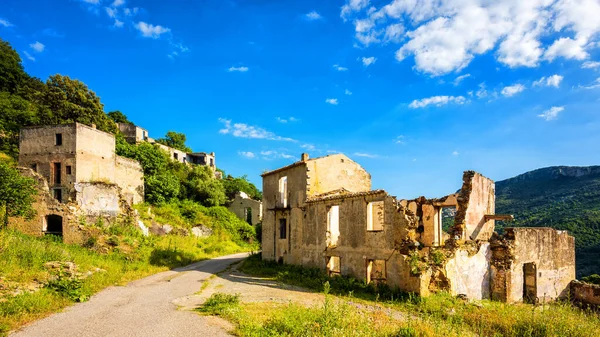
[12,73]
[175,140]
[162,187]
[202,187]
[16,112]
[233,185]
[72,101]
[16,192]
[118,117]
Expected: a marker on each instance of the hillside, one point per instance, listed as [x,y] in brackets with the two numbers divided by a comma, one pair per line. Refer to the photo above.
[561,197]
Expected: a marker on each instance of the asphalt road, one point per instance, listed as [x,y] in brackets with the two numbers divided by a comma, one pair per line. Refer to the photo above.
[142,308]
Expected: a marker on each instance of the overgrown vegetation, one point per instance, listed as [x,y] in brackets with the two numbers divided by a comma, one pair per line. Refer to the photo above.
[545,198]
[16,192]
[437,315]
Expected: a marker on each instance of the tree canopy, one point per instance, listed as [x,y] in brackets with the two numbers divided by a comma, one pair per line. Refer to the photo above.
[16,192]
[175,140]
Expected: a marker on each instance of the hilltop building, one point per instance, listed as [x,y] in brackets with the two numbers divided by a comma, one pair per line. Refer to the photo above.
[78,175]
[322,213]
[135,135]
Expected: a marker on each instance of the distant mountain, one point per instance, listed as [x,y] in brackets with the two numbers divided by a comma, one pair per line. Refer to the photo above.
[561,197]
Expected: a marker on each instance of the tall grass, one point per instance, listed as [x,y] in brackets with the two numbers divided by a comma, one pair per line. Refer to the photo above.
[22,260]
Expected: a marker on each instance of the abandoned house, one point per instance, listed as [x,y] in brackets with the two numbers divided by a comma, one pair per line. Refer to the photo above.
[246,208]
[322,213]
[78,175]
[135,135]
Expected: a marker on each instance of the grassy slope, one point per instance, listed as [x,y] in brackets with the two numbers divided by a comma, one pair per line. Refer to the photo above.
[438,315]
[542,198]
[22,260]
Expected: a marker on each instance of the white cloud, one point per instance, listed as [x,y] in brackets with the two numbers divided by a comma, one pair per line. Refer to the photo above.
[512,90]
[590,65]
[130,11]
[247,154]
[593,85]
[118,23]
[332,101]
[93,2]
[353,6]
[482,92]
[28,56]
[111,12]
[348,92]
[339,68]
[445,36]
[241,130]
[460,78]
[367,61]
[455,153]
[366,155]
[271,154]
[308,147]
[551,81]
[238,69]
[284,120]
[437,101]
[37,46]
[552,113]
[313,16]
[400,140]
[150,30]
[118,3]
[5,23]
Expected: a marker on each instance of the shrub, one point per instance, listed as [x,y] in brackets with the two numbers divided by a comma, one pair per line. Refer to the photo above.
[217,303]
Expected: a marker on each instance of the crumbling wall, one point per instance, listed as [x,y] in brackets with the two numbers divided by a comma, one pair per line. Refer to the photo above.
[130,177]
[476,200]
[551,252]
[585,293]
[98,199]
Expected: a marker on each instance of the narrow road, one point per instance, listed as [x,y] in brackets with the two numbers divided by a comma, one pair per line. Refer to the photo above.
[142,308]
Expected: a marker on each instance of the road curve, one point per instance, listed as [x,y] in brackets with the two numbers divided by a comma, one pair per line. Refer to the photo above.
[142,308]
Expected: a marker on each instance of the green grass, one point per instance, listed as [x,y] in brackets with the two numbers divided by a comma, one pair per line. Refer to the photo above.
[22,260]
[440,314]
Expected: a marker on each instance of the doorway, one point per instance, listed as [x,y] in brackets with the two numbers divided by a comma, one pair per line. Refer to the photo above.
[529,283]
[54,225]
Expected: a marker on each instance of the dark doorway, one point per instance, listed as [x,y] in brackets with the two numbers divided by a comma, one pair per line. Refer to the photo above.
[529,283]
[249,215]
[54,225]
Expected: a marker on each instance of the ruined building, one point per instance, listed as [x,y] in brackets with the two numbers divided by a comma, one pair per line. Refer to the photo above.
[246,208]
[135,135]
[79,178]
[322,213]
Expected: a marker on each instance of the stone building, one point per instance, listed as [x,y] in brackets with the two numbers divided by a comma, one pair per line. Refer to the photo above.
[322,213]
[246,208]
[135,135]
[80,170]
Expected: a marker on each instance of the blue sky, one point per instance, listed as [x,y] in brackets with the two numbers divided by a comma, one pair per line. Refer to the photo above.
[415,91]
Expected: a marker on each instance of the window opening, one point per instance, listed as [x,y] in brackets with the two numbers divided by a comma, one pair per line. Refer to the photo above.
[68,169]
[333,225]
[58,139]
[57,168]
[282,228]
[57,194]
[375,216]
[283,191]
[376,271]
[334,266]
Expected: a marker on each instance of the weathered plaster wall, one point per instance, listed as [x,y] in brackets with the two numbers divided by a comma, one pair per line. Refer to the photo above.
[130,177]
[470,275]
[476,199]
[336,171]
[98,199]
[133,134]
[95,155]
[552,252]
[240,204]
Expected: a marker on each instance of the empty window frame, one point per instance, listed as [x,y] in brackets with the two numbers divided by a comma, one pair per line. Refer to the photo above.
[283,192]
[68,170]
[58,139]
[334,266]
[375,216]
[333,225]
[376,271]
[57,175]
[34,167]
[175,156]
[57,193]
[282,228]
[212,162]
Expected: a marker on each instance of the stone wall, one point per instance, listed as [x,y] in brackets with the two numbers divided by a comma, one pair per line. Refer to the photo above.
[470,274]
[585,293]
[130,177]
[336,171]
[240,205]
[95,155]
[476,199]
[98,199]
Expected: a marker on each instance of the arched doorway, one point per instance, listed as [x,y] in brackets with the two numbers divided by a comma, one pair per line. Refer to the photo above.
[54,225]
